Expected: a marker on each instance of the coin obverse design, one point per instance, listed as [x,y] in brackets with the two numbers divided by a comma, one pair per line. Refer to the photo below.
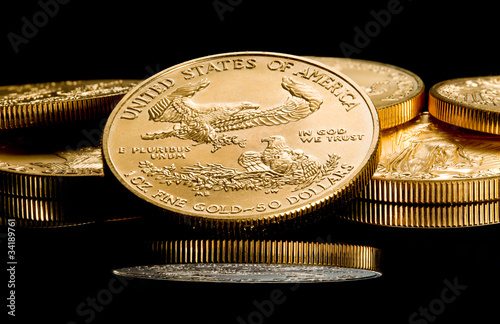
[472,103]
[397,93]
[41,104]
[426,161]
[255,137]
[241,261]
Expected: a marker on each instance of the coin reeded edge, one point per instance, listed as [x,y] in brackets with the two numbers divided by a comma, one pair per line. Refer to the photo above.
[26,115]
[400,113]
[267,251]
[424,216]
[432,191]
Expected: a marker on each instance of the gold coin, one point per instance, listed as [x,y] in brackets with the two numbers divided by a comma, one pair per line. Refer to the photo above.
[472,103]
[40,168]
[398,94]
[243,139]
[243,261]
[427,161]
[424,215]
[41,104]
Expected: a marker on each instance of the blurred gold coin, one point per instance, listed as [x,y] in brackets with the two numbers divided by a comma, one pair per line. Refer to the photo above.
[398,94]
[472,103]
[41,104]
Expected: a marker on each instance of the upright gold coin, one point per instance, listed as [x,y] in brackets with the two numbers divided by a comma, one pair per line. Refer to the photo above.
[41,104]
[243,261]
[428,161]
[472,103]
[398,94]
[243,139]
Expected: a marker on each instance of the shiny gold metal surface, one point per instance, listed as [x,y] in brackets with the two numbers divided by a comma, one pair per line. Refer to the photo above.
[472,103]
[245,261]
[31,169]
[398,94]
[243,139]
[41,104]
[424,215]
[45,213]
[426,161]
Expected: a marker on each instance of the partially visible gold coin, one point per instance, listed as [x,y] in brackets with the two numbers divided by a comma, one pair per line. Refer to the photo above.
[243,261]
[34,168]
[397,93]
[472,103]
[41,104]
[243,140]
[426,161]
[424,215]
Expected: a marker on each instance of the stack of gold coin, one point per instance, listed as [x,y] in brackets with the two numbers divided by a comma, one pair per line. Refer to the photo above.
[52,174]
[441,171]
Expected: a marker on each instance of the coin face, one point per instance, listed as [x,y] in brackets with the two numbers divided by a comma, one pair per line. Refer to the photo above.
[31,159]
[246,273]
[472,103]
[427,161]
[40,93]
[243,136]
[59,102]
[398,94]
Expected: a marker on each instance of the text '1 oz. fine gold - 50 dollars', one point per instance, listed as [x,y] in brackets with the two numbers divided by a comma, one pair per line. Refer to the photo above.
[253,137]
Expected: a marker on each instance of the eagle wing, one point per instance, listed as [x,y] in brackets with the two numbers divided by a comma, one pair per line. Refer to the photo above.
[304,101]
[174,108]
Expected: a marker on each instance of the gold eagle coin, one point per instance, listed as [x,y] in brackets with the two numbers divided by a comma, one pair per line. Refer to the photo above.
[242,140]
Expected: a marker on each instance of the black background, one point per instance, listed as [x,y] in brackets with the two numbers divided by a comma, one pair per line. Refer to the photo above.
[59,269]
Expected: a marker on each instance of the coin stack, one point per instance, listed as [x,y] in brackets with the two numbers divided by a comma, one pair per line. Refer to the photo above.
[243,146]
[434,171]
[51,167]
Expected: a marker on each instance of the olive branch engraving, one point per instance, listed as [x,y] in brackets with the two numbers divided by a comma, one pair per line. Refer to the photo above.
[216,177]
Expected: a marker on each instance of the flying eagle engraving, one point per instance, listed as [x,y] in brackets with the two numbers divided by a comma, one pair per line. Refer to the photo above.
[206,123]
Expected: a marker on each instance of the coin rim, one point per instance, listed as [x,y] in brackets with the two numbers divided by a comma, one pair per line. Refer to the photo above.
[343,194]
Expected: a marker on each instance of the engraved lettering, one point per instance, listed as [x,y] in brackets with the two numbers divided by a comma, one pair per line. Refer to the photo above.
[141,183]
[279,65]
[346,97]
[218,66]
